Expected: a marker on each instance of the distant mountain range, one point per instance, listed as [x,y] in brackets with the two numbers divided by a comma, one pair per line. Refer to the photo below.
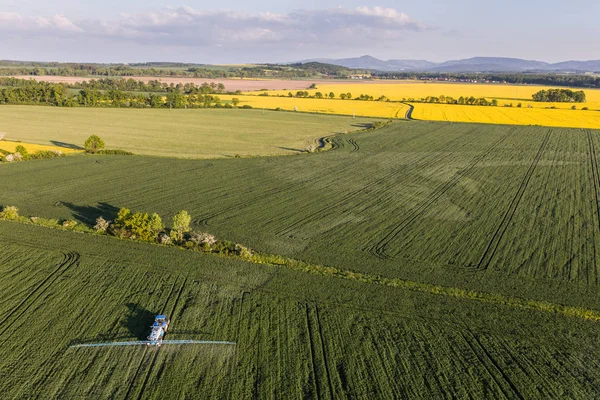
[476,64]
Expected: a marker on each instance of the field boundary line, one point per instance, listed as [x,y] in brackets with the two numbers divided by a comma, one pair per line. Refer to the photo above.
[494,243]
[278,261]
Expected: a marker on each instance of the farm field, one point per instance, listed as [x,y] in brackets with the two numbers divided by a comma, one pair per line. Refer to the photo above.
[10,147]
[325,106]
[509,211]
[435,202]
[295,335]
[561,117]
[416,89]
[531,113]
[201,133]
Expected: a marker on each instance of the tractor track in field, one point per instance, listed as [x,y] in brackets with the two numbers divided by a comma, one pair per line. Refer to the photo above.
[596,179]
[322,211]
[491,366]
[155,355]
[312,352]
[69,260]
[379,250]
[355,146]
[325,361]
[492,246]
[203,220]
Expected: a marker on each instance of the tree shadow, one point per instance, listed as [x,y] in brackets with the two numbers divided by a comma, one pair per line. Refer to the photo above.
[292,149]
[66,145]
[139,321]
[88,214]
[363,125]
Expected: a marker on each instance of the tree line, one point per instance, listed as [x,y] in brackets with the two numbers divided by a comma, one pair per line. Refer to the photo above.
[299,70]
[123,84]
[570,80]
[55,94]
[559,96]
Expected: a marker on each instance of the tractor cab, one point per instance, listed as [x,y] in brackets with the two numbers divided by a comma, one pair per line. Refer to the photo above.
[159,328]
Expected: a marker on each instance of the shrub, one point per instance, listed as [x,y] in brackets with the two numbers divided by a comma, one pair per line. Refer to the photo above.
[21,149]
[243,251]
[101,225]
[247,107]
[40,154]
[115,152]
[93,144]
[69,224]
[163,238]
[10,213]
[202,238]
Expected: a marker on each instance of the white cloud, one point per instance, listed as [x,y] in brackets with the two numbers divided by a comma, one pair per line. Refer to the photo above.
[185,26]
[14,23]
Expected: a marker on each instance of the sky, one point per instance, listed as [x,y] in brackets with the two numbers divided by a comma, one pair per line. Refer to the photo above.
[247,31]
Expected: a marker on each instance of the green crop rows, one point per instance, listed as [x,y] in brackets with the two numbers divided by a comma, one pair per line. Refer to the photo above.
[297,335]
[495,209]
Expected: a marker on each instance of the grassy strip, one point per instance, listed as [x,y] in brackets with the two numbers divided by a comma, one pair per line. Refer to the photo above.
[528,304]
[301,266]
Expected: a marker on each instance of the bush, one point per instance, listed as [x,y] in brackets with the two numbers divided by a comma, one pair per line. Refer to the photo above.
[21,149]
[93,144]
[115,152]
[163,238]
[202,238]
[10,213]
[243,251]
[247,107]
[101,225]
[69,224]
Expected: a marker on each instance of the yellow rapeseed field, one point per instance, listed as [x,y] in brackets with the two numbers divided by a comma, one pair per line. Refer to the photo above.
[507,115]
[530,112]
[10,147]
[325,106]
[398,90]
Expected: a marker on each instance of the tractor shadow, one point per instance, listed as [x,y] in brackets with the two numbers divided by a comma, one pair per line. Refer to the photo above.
[88,214]
[66,145]
[139,321]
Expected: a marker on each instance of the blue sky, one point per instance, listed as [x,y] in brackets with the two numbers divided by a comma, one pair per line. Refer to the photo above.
[266,31]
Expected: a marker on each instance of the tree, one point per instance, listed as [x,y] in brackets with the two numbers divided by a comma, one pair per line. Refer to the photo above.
[181,225]
[235,101]
[331,95]
[93,144]
[156,224]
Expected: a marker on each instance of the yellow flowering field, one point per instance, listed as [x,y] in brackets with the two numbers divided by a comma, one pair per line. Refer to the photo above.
[530,112]
[508,115]
[325,106]
[32,148]
[397,90]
